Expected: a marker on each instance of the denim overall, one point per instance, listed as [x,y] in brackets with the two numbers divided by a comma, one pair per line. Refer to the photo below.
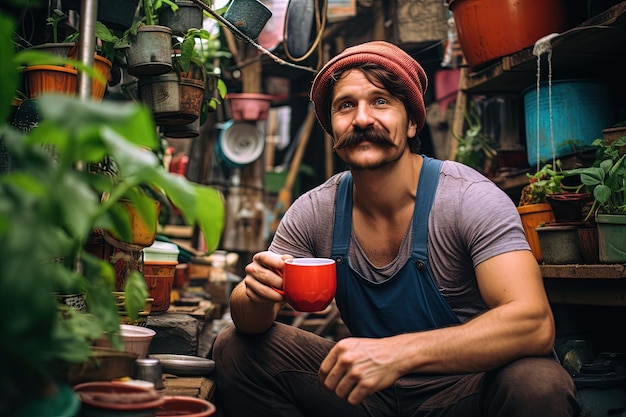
[408,301]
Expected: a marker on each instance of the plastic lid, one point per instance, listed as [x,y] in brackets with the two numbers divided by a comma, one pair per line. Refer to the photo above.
[161,252]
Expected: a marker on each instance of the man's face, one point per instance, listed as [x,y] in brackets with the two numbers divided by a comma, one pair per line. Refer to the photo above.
[370,126]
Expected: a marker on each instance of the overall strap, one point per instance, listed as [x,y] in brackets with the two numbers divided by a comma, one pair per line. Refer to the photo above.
[426,189]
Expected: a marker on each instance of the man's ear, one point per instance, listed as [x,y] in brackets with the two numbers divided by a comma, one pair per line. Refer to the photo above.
[411,130]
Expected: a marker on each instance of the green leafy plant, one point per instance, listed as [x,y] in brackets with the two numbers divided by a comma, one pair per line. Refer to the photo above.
[546,181]
[606,178]
[203,49]
[475,149]
[50,202]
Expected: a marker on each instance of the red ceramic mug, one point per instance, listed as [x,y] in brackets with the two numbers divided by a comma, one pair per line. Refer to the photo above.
[309,284]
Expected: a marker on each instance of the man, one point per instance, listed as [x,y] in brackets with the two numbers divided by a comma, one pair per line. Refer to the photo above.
[435,280]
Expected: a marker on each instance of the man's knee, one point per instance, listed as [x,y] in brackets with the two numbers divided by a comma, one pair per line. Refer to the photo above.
[537,385]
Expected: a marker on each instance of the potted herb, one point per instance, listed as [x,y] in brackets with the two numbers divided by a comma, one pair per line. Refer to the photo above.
[51,200]
[605,180]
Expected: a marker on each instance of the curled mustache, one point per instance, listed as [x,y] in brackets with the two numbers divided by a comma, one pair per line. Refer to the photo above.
[357,136]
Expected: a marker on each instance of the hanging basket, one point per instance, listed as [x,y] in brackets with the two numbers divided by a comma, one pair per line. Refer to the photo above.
[161,94]
[41,79]
[150,52]
[103,67]
[189,15]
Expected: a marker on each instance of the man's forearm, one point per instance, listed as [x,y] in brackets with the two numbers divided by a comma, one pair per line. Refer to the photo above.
[486,342]
[248,316]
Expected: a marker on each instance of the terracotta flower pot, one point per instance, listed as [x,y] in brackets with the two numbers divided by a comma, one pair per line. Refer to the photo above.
[50,79]
[115,398]
[102,66]
[188,406]
[533,216]
[490,29]
[249,107]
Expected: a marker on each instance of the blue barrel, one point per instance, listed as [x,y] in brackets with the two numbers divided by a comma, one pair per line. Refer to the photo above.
[580,110]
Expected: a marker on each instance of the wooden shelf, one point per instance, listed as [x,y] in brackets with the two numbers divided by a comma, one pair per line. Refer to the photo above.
[595,285]
[596,271]
[595,48]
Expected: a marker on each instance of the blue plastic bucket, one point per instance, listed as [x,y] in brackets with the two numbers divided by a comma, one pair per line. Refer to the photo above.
[580,110]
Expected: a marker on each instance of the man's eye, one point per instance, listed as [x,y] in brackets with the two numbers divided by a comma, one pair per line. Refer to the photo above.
[381,101]
[345,105]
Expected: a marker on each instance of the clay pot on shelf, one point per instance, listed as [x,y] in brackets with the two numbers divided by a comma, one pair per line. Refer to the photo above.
[559,244]
[188,406]
[490,29]
[532,216]
[102,398]
[568,207]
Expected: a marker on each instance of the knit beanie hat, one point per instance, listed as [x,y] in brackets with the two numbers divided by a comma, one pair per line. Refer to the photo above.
[388,56]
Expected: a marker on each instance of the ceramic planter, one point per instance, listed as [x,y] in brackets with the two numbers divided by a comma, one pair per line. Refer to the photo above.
[568,207]
[150,52]
[559,244]
[611,238]
[533,216]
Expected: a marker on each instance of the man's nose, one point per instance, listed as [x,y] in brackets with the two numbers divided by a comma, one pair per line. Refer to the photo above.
[363,117]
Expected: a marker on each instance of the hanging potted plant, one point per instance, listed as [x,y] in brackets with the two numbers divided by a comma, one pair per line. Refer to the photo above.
[605,180]
[51,202]
[186,16]
[54,66]
[150,44]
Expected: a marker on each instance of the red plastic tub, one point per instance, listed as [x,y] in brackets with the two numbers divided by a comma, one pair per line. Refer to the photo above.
[490,29]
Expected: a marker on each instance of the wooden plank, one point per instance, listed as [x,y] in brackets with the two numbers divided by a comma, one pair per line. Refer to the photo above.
[599,271]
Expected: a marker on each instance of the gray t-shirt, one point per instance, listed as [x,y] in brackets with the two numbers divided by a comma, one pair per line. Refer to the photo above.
[471,220]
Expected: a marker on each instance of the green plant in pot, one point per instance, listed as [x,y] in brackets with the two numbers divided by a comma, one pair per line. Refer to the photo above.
[202,50]
[50,202]
[605,180]
[475,149]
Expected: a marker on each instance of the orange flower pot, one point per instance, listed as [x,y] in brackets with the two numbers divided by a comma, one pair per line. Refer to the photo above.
[533,216]
[41,79]
[102,66]
[490,29]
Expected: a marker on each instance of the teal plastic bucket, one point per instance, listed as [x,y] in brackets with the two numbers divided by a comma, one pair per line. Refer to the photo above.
[580,110]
